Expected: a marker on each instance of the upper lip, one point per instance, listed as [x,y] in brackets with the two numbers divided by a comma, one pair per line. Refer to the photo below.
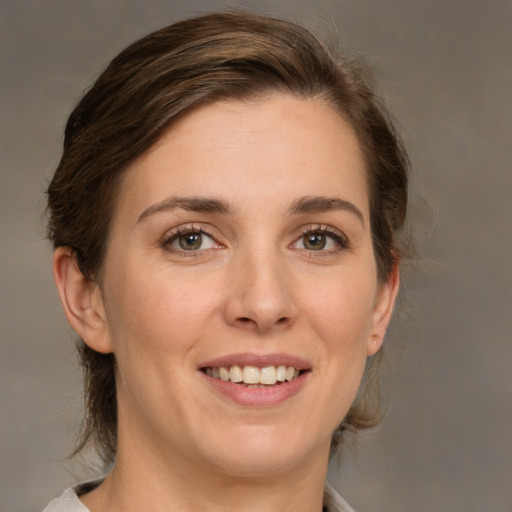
[258,360]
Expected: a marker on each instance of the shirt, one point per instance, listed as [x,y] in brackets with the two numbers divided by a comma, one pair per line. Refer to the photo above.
[69,501]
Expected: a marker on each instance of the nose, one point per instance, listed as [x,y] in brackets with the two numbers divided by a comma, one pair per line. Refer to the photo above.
[260,294]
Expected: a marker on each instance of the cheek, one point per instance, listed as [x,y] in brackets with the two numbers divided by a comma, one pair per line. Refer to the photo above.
[341,319]
[156,327]
[157,314]
[342,313]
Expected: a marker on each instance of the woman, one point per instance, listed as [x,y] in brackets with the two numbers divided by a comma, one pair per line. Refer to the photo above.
[225,219]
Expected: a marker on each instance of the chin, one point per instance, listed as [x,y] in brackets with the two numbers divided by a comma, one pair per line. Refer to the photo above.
[264,451]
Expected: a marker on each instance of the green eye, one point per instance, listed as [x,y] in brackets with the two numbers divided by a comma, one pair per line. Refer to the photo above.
[190,241]
[320,239]
[314,241]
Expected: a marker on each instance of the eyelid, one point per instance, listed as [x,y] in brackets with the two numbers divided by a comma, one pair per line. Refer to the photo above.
[171,235]
[337,235]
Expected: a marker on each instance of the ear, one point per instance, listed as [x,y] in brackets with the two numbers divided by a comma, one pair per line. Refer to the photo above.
[81,300]
[384,304]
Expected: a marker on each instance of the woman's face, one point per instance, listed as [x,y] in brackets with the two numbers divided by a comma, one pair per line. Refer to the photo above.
[242,241]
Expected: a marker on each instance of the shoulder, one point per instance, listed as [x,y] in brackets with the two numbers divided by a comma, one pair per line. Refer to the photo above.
[69,501]
[334,502]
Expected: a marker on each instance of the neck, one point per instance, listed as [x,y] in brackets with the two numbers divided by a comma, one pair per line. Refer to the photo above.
[172,483]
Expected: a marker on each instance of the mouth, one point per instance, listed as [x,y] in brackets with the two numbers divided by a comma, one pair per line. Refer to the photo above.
[257,380]
[250,376]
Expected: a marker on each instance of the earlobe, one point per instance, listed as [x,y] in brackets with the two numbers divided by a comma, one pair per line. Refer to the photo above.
[81,300]
[384,305]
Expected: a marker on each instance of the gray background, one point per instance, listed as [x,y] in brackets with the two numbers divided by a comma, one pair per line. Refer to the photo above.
[446,70]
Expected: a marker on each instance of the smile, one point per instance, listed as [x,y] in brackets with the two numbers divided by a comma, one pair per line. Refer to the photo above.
[253,376]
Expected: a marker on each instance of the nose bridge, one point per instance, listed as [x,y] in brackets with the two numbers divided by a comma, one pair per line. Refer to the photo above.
[261,296]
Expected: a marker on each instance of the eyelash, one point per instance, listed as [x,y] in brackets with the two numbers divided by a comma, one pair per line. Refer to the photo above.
[337,236]
[180,231]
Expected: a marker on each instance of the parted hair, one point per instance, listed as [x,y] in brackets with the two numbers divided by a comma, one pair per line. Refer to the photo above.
[225,55]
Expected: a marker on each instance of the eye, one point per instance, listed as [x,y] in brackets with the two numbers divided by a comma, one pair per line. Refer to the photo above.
[190,240]
[320,238]
[315,241]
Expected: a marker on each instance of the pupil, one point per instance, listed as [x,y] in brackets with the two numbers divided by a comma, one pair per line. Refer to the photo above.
[191,241]
[315,241]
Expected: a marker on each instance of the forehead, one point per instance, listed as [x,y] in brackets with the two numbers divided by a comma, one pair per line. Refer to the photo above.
[275,148]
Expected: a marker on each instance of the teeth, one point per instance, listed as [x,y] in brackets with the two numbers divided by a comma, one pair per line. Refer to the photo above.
[224,373]
[268,375]
[252,376]
[235,374]
[281,373]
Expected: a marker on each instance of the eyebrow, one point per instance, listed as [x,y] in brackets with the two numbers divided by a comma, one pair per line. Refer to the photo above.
[192,204]
[307,204]
[319,204]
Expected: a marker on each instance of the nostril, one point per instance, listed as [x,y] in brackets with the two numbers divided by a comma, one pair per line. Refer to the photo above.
[247,321]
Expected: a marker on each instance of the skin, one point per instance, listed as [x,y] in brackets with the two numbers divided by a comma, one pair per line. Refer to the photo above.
[254,285]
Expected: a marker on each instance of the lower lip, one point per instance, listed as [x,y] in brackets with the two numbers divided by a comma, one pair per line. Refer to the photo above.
[258,397]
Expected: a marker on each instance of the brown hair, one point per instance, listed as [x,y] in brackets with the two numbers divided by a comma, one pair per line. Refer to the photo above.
[222,55]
